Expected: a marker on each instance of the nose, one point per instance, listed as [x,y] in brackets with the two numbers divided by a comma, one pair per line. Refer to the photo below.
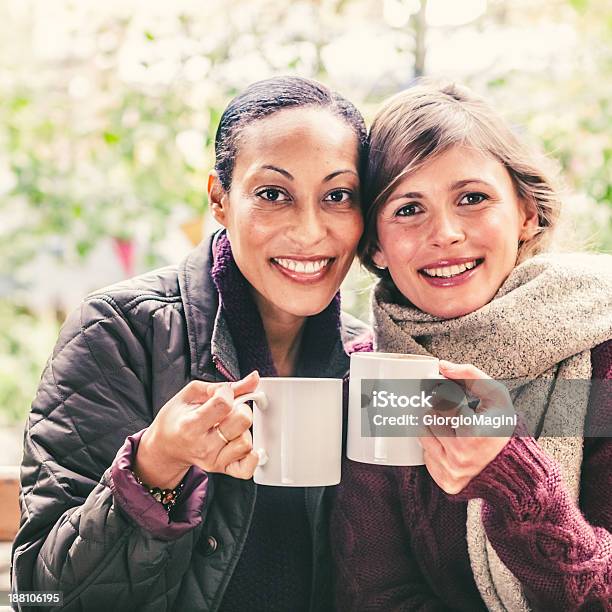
[309,226]
[446,230]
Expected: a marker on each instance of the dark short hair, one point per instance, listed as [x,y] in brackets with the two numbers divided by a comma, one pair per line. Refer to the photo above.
[264,98]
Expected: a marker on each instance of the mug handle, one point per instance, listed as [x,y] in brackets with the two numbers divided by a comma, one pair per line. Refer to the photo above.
[259,397]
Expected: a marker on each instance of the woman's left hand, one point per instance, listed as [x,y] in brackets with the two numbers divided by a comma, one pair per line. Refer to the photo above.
[454,457]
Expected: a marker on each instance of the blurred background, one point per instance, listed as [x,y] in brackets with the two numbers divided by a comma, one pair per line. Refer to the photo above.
[108,112]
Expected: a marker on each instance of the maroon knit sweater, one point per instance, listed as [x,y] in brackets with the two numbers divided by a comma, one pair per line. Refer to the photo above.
[400,542]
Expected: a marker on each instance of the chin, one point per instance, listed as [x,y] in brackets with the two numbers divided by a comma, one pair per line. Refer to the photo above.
[457,310]
[453,314]
[305,308]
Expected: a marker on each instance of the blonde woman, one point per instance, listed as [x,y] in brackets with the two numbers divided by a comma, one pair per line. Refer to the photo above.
[457,221]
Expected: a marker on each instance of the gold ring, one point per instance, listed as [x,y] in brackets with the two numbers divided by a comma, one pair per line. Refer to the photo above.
[218,430]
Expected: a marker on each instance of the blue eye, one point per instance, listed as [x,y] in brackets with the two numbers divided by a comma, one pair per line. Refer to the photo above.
[473,198]
[409,210]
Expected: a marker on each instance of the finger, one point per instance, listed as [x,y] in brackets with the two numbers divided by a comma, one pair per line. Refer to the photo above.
[243,468]
[217,407]
[477,382]
[461,370]
[447,396]
[198,391]
[236,422]
[437,462]
[441,425]
[443,478]
[211,444]
[237,449]
[248,384]
[431,444]
[435,469]
[434,456]
[460,450]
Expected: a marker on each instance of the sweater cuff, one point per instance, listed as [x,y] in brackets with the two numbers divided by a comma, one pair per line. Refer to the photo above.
[517,482]
[143,509]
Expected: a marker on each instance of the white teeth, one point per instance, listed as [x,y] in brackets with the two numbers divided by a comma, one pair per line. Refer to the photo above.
[287,263]
[448,271]
[302,267]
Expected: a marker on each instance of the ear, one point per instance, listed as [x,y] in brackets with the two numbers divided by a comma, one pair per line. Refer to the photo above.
[217,199]
[379,259]
[530,221]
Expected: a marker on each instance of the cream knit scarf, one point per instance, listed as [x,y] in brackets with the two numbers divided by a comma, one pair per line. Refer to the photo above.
[541,326]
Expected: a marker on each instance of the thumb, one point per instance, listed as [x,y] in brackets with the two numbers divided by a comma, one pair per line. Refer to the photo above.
[247,384]
[476,382]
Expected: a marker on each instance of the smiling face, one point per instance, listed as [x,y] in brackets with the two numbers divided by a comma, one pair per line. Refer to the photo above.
[292,212]
[449,232]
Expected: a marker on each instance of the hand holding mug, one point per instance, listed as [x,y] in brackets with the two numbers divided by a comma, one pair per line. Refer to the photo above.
[454,456]
[202,425]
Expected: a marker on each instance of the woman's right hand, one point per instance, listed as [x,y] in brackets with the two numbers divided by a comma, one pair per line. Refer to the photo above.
[183,434]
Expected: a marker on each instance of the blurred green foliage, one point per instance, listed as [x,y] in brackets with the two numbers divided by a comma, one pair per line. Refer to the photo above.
[108,117]
[24,348]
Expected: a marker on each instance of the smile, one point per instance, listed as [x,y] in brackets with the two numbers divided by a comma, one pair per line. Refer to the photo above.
[303,270]
[451,272]
[303,267]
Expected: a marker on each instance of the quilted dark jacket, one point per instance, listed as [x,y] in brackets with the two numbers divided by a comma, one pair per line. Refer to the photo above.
[118,359]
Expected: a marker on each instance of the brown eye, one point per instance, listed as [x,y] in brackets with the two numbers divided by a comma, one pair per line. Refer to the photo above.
[409,210]
[271,194]
[473,198]
[338,196]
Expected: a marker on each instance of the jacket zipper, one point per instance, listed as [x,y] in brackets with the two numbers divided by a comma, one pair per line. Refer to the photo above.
[222,369]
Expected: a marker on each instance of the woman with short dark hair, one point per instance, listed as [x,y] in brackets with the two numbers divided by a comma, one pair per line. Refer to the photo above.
[137,490]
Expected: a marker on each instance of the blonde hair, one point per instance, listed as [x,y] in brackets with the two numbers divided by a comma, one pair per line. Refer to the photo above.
[424,121]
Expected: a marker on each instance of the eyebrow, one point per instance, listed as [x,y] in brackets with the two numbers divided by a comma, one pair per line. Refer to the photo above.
[289,176]
[464,182]
[286,174]
[411,194]
[333,175]
[456,185]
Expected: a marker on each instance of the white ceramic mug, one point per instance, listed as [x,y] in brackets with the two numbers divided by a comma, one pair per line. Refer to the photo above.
[297,431]
[384,366]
